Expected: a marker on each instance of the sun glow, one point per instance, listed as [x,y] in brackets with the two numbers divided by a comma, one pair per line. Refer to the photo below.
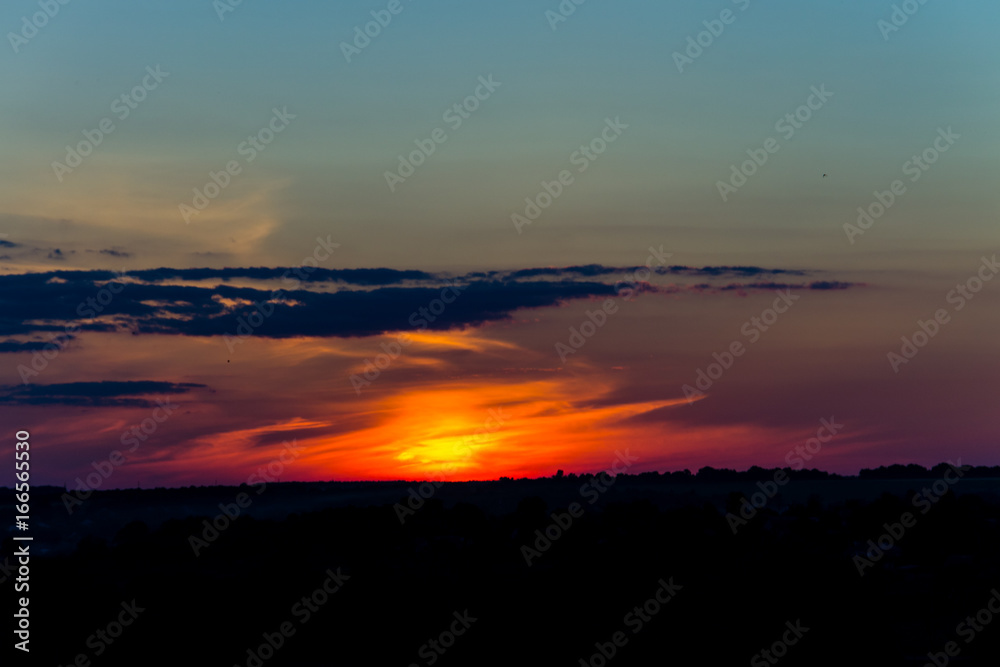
[485,430]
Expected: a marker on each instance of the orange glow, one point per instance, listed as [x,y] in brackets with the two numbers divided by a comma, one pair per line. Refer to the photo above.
[483,431]
[230,451]
[452,406]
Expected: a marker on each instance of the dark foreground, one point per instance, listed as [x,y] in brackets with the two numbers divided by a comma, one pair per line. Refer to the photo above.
[647,570]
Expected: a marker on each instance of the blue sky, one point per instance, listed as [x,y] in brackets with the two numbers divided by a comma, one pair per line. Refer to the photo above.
[607,59]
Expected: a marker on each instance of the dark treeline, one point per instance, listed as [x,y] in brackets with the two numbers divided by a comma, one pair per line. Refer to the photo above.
[705,474]
[549,577]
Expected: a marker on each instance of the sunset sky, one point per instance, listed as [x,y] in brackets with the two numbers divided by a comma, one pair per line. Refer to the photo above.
[171,170]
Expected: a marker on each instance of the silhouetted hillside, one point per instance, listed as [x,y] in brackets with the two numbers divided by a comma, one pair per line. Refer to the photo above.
[533,572]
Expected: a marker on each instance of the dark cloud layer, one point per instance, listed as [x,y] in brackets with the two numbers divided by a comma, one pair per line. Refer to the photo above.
[594,270]
[11,345]
[391,300]
[103,393]
[816,285]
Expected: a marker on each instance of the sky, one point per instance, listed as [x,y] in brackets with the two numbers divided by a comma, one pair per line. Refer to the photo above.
[496,239]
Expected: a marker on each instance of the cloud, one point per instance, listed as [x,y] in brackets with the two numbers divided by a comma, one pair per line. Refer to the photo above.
[387,300]
[11,345]
[103,393]
[817,285]
[360,277]
[595,270]
[730,270]
[353,313]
